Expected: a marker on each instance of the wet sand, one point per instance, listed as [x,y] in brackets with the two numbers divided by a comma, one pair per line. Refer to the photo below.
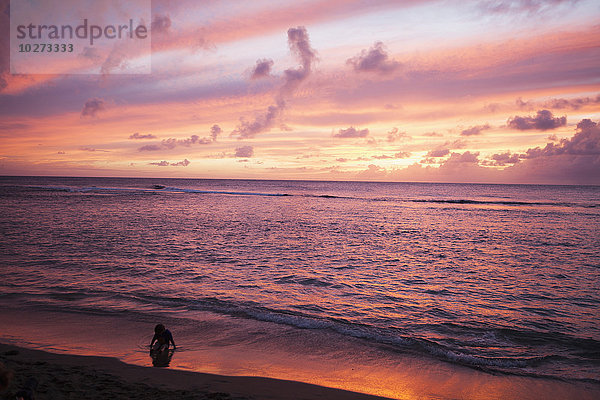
[61,376]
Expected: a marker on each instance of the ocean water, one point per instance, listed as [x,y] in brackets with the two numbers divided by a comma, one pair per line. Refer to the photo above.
[498,278]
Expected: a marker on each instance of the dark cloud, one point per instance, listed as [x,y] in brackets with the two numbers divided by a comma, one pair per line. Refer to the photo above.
[502,159]
[466,157]
[244,151]
[160,163]
[262,68]
[183,163]
[262,123]
[160,23]
[585,142]
[299,45]
[137,135]
[559,104]
[395,134]
[171,143]
[455,158]
[351,132]
[572,161]
[92,107]
[215,131]
[375,59]
[399,155]
[475,130]
[194,139]
[443,150]
[544,120]
[93,149]
[438,153]
[151,147]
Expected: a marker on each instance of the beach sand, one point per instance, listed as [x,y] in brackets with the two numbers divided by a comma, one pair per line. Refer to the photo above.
[63,376]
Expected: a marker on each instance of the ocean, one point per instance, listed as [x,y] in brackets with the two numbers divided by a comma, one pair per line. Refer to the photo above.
[498,279]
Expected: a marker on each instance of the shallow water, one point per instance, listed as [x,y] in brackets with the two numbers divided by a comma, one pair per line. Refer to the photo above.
[501,278]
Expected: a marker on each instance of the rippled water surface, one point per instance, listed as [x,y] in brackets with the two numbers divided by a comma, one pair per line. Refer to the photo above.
[499,277]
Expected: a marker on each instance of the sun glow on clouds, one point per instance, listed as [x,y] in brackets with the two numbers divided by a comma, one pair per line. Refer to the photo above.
[421,90]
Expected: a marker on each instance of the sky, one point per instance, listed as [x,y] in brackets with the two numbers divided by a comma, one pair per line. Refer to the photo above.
[491,91]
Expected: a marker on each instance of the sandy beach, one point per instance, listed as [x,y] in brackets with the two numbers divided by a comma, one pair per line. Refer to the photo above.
[62,376]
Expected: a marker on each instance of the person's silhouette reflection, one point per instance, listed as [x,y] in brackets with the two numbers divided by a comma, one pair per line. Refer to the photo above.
[161,358]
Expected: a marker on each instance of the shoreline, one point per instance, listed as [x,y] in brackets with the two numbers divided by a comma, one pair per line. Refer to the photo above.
[73,350]
[94,377]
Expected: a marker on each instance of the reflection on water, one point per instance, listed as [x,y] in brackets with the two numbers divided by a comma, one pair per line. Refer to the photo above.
[161,357]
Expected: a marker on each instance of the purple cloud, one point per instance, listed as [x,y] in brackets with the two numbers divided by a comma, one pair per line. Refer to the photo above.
[375,59]
[183,163]
[151,147]
[585,142]
[438,153]
[160,23]
[138,136]
[215,131]
[262,68]
[244,151]
[299,45]
[399,155]
[91,149]
[466,157]
[573,104]
[92,107]
[502,159]
[351,132]
[171,143]
[475,130]
[544,120]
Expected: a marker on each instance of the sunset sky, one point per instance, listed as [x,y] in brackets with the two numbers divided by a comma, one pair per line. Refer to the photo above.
[472,91]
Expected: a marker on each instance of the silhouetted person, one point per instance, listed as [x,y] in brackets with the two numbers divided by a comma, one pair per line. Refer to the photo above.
[162,337]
